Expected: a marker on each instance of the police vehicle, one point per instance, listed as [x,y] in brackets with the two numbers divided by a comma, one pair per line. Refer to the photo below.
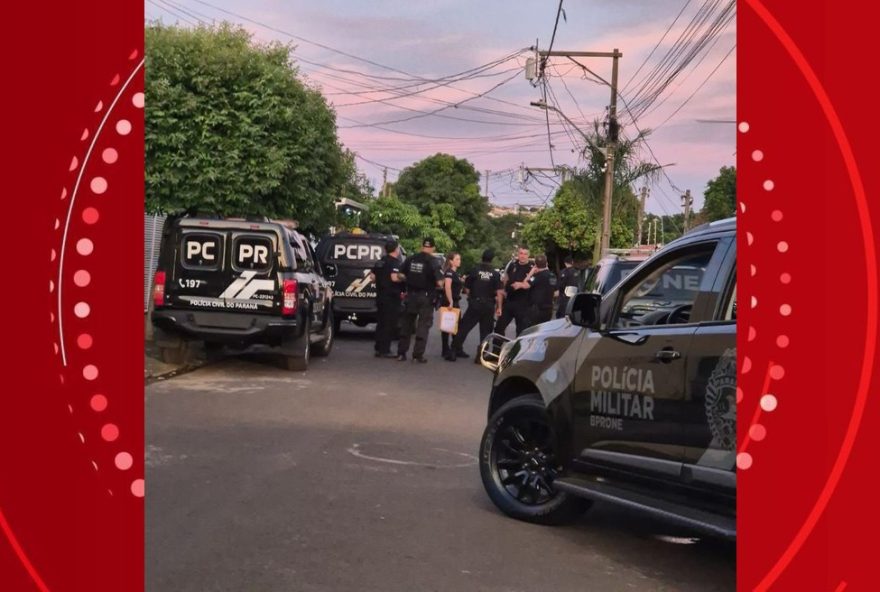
[612,268]
[347,259]
[625,405]
[240,282]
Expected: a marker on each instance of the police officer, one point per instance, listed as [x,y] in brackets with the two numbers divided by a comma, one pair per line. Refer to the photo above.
[516,300]
[568,278]
[422,275]
[485,295]
[389,288]
[451,296]
[542,287]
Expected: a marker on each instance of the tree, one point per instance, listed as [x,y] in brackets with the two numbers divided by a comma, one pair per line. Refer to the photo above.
[720,196]
[571,225]
[232,130]
[444,180]
[389,215]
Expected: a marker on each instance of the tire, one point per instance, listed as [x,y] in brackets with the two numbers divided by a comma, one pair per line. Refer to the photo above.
[328,337]
[213,351]
[518,436]
[298,360]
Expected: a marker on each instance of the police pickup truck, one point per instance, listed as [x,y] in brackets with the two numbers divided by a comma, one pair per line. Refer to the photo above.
[347,259]
[240,282]
[633,405]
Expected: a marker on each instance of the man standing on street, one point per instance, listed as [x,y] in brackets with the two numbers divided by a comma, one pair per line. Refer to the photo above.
[423,276]
[485,295]
[542,287]
[567,279]
[516,301]
[388,291]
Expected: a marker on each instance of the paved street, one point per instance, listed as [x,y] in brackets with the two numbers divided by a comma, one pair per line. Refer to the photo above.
[361,475]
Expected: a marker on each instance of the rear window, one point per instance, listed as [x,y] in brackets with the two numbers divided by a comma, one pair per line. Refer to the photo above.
[252,252]
[359,252]
[201,250]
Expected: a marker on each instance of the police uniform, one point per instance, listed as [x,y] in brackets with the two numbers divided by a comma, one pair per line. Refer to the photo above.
[483,285]
[568,278]
[455,288]
[422,273]
[543,285]
[387,303]
[516,304]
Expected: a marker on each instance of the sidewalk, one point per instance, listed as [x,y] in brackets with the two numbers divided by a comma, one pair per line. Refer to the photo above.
[155,369]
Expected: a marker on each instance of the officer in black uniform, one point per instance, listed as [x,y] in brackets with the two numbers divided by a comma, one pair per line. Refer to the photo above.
[388,292]
[568,278]
[542,287]
[516,300]
[422,275]
[485,295]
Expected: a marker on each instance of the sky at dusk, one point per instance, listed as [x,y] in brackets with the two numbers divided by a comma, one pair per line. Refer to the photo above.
[410,79]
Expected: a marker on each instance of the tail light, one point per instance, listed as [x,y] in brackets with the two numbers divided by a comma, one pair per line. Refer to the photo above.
[289,289]
[159,289]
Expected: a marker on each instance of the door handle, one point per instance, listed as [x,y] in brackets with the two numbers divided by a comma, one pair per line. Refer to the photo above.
[667,355]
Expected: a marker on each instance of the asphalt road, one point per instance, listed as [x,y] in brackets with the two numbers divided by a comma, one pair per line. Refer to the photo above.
[361,475]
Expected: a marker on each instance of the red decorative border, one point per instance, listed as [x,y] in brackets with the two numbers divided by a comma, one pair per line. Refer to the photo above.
[71,439]
[809,290]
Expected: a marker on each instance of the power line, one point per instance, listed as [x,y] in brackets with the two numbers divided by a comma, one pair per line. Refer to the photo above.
[668,29]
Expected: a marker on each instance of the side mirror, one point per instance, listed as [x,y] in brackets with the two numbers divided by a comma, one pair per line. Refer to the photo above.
[583,310]
[330,270]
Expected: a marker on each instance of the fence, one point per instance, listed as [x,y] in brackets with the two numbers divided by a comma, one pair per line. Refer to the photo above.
[152,236]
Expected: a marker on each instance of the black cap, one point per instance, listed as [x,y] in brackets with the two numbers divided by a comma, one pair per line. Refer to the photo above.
[569,259]
[390,246]
[488,255]
[428,241]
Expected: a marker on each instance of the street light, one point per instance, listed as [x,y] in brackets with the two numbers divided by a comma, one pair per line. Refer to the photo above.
[543,105]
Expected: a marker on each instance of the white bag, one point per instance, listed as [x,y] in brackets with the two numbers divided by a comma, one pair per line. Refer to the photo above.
[449,319]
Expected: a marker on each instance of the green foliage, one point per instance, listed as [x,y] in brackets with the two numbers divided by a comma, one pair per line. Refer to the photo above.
[720,196]
[446,190]
[392,216]
[231,129]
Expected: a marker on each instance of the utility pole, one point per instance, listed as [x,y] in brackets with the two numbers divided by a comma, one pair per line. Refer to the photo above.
[644,196]
[611,146]
[686,202]
[487,184]
[385,182]
[603,239]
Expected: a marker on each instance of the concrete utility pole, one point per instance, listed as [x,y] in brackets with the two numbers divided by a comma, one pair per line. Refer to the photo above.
[384,191]
[487,183]
[603,240]
[686,202]
[644,196]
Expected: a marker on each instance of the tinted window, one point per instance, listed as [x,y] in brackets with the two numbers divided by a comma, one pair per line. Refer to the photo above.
[201,250]
[670,284]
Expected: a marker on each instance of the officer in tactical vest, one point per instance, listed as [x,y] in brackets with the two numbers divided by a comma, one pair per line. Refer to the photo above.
[422,275]
[568,278]
[389,288]
[516,299]
[542,288]
[485,295]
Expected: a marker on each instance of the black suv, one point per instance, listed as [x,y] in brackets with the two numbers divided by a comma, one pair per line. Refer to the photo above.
[348,258]
[240,282]
[616,403]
